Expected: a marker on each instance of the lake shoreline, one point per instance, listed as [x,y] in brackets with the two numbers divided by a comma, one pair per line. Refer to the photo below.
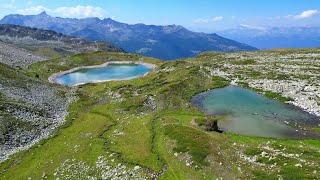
[54,76]
[293,104]
[295,129]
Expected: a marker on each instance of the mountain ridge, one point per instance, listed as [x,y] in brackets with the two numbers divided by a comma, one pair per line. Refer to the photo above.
[276,37]
[37,40]
[164,42]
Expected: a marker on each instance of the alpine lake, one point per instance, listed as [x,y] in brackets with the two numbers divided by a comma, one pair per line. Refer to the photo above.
[103,74]
[246,112]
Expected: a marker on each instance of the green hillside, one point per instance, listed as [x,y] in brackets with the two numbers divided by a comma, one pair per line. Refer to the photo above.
[113,130]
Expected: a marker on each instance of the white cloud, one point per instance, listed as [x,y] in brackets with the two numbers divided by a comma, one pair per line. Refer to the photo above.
[216,19]
[71,12]
[81,11]
[252,27]
[32,10]
[208,20]
[305,14]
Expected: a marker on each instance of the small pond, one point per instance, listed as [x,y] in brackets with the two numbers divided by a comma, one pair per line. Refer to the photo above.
[246,112]
[102,74]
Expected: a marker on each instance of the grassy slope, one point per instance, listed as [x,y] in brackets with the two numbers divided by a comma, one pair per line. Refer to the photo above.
[155,139]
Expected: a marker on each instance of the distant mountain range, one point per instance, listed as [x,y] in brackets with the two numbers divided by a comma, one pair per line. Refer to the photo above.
[164,42]
[50,43]
[275,37]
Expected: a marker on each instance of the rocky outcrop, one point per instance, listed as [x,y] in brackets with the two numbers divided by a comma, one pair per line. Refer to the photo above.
[305,95]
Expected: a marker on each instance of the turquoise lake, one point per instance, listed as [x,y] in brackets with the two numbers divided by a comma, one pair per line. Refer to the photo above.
[111,72]
[246,112]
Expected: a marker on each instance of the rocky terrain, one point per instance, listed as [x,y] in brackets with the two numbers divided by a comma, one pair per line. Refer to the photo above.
[28,114]
[142,128]
[292,74]
[29,108]
[17,57]
[50,43]
[104,166]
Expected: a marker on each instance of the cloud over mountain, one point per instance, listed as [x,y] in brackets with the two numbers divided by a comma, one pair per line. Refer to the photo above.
[208,20]
[70,12]
[305,14]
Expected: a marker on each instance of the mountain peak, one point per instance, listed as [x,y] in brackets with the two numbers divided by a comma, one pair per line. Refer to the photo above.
[43,13]
[173,28]
[108,20]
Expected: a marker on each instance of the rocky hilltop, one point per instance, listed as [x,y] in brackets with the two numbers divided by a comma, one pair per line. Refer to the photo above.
[50,43]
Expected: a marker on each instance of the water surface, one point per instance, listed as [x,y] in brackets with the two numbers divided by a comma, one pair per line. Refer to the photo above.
[249,113]
[111,72]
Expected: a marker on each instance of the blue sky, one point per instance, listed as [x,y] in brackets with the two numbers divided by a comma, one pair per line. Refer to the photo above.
[198,15]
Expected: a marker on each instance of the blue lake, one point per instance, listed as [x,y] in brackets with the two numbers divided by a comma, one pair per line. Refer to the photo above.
[110,72]
[246,112]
